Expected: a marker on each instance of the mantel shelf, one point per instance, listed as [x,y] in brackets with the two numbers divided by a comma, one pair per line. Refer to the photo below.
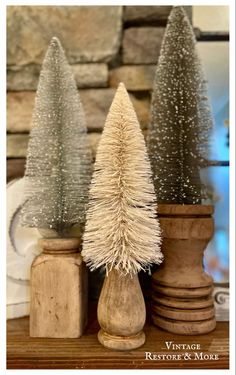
[24,352]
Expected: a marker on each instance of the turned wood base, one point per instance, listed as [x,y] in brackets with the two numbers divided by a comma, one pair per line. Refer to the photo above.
[121,312]
[185,327]
[121,342]
[183,303]
[186,281]
[185,315]
[182,292]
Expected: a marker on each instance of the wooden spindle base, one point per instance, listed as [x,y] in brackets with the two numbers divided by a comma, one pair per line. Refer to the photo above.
[121,342]
[121,312]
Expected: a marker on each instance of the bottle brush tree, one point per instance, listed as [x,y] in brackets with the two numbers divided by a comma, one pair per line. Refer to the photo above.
[58,167]
[179,129]
[122,230]
[178,146]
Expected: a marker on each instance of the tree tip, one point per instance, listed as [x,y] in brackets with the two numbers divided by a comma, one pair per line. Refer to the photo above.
[122,86]
[55,42]
[121,101]
[121,93]
[178,11]
[122,89]
[54,49]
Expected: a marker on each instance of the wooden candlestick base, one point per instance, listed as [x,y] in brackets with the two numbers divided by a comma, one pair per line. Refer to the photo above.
[185,327]
[181,289]
[186,231]
[121,342]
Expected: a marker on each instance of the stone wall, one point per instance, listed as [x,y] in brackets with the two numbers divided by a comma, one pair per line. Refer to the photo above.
[104,45]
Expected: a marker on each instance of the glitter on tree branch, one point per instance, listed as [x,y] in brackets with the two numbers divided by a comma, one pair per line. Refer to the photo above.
[181,120]
[58,169]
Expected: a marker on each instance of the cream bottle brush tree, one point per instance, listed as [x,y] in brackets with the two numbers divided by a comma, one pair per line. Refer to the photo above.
[122,232]
[179,130]
[58,167]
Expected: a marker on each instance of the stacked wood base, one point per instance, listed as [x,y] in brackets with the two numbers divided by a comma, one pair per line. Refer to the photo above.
[183,311]
[182,300]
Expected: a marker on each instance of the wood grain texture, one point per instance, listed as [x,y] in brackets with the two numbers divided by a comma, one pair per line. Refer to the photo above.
[121,312]
[181,314]
[186,256]
[58,302]
[186,231]
[181,283]
[60,244]
[24,352]
[187,228]
[191,328]
[183,303]
[182,292]
[184,210]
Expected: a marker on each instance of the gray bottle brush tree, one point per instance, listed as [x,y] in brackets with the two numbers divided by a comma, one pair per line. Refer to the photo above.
[122,231]
[179,130]
[58,168]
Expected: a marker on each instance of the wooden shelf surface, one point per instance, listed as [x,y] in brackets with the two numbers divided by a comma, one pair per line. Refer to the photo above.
[24,352]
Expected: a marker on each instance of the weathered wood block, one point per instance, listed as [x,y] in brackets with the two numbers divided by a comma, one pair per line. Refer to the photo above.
[58,306]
